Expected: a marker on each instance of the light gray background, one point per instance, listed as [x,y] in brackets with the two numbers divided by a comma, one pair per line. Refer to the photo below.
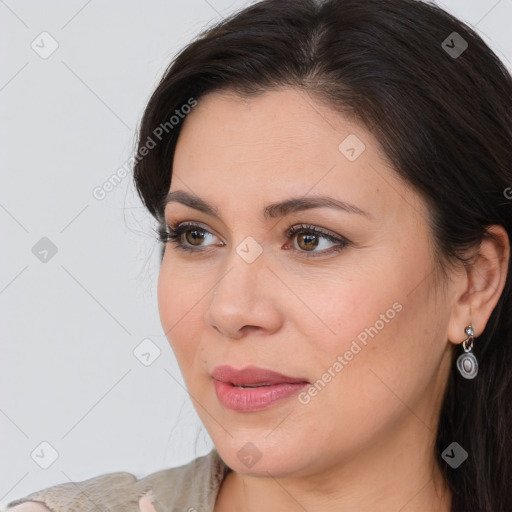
[70,325]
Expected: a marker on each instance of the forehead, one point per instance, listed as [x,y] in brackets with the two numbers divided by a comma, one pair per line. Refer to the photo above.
[280,143]
[281,126]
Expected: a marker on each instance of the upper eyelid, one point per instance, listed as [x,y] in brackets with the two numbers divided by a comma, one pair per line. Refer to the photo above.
[315,229]
[293,229]
[167,222]
[192,224]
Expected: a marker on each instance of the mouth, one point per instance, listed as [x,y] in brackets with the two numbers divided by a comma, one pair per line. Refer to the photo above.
[253,388]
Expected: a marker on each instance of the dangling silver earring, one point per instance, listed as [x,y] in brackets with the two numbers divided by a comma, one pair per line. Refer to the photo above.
[467,363]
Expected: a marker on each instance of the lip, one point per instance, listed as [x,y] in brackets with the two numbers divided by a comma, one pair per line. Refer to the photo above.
[252,375]
[280,387]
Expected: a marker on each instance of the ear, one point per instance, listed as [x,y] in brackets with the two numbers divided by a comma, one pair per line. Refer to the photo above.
[481,285]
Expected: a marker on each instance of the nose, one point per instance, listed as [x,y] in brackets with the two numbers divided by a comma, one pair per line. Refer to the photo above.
[246,299]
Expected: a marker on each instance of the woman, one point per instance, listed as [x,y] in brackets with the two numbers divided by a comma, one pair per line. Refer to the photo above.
[332,185]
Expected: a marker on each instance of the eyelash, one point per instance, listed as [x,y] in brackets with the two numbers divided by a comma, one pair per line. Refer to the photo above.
[174,236]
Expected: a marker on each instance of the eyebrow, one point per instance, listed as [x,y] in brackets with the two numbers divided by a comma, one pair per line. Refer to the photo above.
[272,210]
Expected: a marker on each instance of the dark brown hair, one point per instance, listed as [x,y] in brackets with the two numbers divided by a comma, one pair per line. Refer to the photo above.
[445,123]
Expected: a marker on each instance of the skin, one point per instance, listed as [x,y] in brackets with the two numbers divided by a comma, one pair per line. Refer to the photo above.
[365,442]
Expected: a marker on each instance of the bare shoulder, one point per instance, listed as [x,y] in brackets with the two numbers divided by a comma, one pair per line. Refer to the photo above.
[29,506]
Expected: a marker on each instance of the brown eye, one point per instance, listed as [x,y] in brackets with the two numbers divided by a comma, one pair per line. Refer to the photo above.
[194,235]
[315,241]
[307,241]
[190,237]
[186,237]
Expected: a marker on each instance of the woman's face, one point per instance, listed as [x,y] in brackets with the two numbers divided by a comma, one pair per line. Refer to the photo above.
[362,320]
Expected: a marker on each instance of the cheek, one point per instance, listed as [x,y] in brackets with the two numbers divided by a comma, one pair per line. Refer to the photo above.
[375,330]
[378,303]
[358,308]
[175,304]
[166,298]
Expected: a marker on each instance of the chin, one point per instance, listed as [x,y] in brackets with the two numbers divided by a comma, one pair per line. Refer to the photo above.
[262,457]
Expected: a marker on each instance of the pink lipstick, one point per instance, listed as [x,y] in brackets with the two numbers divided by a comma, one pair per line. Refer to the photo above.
[253,388]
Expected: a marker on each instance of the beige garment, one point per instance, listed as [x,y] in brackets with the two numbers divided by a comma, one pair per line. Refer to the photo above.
[192,487]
